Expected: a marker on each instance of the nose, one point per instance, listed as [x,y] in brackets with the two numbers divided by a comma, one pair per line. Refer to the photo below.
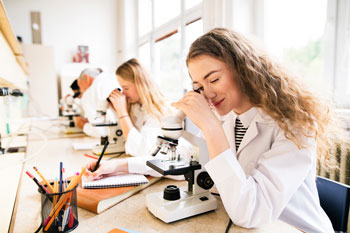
[209,92]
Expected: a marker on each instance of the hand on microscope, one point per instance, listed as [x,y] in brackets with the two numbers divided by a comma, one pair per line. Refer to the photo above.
[198,109]
[106,168]
[80,121]
[118,101]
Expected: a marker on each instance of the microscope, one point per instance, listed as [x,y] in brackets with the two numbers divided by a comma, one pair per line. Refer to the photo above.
[174,203]
[110,130]
[70,109]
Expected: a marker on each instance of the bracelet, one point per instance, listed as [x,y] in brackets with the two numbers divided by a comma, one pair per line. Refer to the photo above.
[121,117]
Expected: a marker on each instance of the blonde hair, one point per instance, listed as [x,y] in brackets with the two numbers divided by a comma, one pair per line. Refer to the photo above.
[151,97]
[268,86]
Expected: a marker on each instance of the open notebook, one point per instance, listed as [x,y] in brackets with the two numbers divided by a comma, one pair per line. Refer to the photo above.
[115,181]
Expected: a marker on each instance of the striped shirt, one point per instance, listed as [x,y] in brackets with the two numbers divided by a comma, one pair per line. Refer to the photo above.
[239,132]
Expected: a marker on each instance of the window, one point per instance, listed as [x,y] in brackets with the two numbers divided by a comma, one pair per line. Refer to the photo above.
[163,47]
[168,63]
[296,38]
[145,55]
[165,10]
[312,38]
[145,16]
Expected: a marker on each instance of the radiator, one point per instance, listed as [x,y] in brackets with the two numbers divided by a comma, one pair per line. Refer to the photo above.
[342,174]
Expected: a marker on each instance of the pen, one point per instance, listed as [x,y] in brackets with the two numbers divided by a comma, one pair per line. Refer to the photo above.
[66,212]
[99,159]
[60,190]
[45,181]
[61,178]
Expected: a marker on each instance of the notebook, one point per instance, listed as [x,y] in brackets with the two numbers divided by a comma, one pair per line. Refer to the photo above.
[99,200]
[116,181]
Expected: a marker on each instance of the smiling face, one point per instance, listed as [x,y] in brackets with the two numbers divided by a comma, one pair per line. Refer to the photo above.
[129,90]
[215,81]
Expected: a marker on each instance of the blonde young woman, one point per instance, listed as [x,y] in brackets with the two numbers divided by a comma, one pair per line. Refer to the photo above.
[140,108]
[263,156]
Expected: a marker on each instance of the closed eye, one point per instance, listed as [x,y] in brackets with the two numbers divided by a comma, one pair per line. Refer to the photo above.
[214,80]
[198,89]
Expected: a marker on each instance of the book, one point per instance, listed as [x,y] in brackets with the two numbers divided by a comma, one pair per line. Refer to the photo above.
[116,181]
[99,200]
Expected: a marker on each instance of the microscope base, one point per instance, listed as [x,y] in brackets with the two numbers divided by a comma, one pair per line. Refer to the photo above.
[188,205]
[72,130]
[111,149]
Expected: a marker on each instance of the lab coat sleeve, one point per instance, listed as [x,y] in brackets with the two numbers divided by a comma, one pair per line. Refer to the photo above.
[260,198]
[140,142]
[138,165]
[92,131]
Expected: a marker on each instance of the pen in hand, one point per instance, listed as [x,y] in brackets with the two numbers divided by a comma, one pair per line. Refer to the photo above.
[99,159]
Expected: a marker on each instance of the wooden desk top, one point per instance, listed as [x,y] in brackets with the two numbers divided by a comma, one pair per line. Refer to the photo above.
[131,214]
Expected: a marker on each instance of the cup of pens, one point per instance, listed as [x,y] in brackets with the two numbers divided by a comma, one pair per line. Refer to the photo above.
[59,212]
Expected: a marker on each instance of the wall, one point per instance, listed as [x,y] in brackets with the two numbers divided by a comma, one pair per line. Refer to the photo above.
[66,24]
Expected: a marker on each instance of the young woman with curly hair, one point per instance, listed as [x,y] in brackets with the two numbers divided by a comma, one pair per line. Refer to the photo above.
[265,137]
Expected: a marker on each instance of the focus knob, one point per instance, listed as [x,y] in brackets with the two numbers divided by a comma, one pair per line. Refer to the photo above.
[171,193]
[204,181]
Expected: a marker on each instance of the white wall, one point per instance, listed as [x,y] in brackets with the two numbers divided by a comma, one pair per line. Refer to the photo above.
[66,24]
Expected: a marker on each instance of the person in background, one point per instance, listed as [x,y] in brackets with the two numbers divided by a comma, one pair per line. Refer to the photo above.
[267,137]
[75,88]
[95,87]
[70,102]
[140,108]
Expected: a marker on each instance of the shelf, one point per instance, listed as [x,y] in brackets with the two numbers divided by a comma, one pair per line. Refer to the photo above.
[14,70]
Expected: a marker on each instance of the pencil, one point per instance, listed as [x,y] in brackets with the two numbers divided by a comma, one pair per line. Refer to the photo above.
[55,187]
[45,181]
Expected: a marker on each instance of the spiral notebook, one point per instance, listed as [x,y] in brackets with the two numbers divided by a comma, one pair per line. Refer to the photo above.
[116,181]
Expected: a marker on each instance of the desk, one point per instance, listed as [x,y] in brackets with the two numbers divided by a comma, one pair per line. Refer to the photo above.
[130,214]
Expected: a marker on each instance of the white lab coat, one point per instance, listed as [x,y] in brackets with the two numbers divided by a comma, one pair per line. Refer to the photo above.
[268,178]
[93,99]
[141,140]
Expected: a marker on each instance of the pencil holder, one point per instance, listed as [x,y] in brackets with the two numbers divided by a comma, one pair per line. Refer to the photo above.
[59,211]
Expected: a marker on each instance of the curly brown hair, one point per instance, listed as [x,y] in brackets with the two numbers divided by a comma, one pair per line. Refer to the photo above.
[298,112]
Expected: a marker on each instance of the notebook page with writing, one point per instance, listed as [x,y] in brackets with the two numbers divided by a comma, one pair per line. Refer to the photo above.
[116,181]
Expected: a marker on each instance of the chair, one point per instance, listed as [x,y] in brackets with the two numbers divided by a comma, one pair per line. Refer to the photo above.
[335,200]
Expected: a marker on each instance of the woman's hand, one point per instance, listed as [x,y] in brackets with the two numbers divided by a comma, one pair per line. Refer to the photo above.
[106,168]
[119,103]
[80,121]
[196,107]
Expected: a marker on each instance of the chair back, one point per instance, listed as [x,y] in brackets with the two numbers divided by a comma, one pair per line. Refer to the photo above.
[335,200]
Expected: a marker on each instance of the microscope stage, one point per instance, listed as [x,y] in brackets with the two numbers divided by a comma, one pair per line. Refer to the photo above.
[173,167]
[188,205]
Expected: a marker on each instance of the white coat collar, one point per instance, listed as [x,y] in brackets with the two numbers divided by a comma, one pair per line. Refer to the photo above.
[250,118]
